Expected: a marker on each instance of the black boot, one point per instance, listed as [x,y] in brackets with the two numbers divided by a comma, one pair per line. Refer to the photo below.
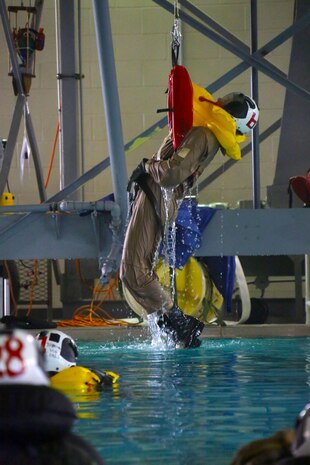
[185,329]
[165,325]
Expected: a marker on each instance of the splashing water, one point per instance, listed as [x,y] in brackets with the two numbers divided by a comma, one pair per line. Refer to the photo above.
[166,248]
[160,339]
[169,241]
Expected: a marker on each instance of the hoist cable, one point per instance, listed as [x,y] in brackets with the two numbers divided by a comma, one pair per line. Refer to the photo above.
[176,35]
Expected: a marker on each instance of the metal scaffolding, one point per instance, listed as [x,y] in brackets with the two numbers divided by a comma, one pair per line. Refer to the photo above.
[48,227]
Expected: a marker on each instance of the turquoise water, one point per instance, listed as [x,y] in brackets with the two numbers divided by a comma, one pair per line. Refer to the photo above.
[192,407]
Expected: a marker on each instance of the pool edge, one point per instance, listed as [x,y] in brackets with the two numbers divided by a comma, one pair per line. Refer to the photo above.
[116,334]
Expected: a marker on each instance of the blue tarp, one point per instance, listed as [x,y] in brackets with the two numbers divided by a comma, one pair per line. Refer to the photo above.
[191,223]
[222,272]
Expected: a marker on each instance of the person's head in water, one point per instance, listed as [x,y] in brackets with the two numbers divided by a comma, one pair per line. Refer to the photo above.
[60,350]
[301,445]
[36,420]
[243,109]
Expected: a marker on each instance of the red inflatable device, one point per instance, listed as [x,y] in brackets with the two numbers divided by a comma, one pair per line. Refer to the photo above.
[180,104]
[301,187]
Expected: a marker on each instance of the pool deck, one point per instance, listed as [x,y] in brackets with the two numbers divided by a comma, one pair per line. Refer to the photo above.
[117,334]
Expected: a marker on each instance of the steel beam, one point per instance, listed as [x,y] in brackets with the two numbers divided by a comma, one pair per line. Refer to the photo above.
[255,96]
[67,90]
[216,26]
[35,154]
[11,141]
[111,103]
[230,232]
[229,163]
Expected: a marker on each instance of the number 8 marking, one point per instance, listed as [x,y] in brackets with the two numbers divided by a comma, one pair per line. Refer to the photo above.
[13,347]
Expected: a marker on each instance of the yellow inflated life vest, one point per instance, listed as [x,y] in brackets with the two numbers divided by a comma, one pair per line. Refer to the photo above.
[79,379]
[219,121]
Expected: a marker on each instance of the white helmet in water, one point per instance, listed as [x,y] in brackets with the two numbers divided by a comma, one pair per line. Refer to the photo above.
[243,109]
[60,350]
[301,444]
[21,359]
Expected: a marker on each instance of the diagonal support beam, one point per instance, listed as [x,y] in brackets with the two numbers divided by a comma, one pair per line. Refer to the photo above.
[229,163]
[206,19]
[298,25]
[35,154]
[11,141]
[260,64]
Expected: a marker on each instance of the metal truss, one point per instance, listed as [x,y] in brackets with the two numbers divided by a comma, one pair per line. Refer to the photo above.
[59,236]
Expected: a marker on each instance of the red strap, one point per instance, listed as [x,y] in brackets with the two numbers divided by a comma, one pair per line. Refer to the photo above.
[204,99]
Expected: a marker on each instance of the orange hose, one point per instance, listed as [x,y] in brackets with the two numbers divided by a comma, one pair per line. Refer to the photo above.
[93,314]
[52,157]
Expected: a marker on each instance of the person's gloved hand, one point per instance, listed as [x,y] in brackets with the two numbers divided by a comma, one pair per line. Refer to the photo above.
[191,180]
[265,451]
[137,173]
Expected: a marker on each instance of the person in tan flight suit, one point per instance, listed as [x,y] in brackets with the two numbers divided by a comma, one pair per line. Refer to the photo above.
[176,171]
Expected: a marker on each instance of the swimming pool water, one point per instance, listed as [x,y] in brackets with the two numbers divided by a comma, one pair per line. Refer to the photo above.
[192,407]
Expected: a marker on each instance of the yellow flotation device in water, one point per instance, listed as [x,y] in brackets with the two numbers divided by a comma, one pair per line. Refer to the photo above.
[197,295]
[81,379]
[208,113]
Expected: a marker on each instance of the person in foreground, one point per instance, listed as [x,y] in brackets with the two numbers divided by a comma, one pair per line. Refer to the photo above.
[36,421]
[286,447]
[170,174]
[61,354]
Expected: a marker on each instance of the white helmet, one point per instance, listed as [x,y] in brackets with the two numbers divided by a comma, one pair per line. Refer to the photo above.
[59,348]
[301,444]
[21,359]
[243,109]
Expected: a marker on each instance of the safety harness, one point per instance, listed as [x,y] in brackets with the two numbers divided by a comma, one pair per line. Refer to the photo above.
[141,182]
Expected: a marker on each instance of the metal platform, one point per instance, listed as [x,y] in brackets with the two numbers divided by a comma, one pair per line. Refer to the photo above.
[279,231]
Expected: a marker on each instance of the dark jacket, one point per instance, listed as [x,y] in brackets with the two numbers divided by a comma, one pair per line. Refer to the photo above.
[35,429]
